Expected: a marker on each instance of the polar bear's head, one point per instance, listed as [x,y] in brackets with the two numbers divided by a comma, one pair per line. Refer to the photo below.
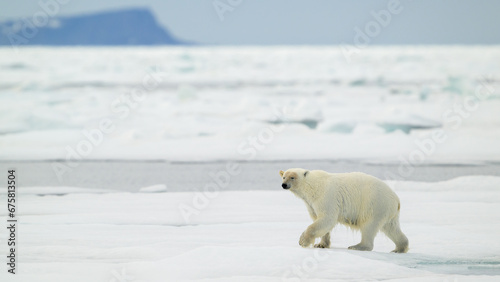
[292,177]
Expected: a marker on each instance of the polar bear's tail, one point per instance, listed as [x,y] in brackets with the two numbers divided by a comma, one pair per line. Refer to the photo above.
[393,231]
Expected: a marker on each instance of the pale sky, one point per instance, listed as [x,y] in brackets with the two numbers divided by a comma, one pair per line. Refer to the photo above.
[310,22]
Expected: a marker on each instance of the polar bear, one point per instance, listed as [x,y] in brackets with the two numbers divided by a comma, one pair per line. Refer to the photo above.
[357,200]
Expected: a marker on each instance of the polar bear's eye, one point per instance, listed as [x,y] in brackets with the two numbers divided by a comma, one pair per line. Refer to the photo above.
[293,178]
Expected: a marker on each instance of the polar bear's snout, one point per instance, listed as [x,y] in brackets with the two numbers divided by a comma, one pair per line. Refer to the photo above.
[285,186]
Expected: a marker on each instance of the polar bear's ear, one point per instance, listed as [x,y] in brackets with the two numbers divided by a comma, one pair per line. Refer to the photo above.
[305,173]
[281,173]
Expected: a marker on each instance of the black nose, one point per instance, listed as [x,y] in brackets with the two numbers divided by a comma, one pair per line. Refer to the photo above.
[283,185]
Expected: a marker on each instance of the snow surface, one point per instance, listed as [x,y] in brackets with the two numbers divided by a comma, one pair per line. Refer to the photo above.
[212,101]
[453,228]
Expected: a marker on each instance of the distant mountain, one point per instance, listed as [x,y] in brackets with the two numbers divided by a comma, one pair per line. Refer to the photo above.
[125,27]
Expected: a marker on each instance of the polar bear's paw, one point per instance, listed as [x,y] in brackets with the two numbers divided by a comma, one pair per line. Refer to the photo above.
[306,240]
[400,250]
[360,247]
[322,245]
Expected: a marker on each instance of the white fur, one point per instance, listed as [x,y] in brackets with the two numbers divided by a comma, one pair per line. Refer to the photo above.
[358,200]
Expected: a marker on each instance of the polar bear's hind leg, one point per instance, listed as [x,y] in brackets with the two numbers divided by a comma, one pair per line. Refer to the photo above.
[393,231]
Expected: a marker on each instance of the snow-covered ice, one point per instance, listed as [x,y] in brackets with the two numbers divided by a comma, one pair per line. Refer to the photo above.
[453,228]
[210,102]
[249,103]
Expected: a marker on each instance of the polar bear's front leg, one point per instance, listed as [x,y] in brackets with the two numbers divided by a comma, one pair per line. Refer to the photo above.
[325,241]
[318,228]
